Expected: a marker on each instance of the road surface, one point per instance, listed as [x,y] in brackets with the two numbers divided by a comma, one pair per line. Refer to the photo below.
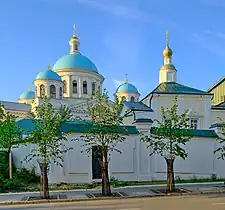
[168,203]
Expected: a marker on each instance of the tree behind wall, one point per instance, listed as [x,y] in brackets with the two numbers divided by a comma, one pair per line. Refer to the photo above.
[221,139]
[10,135]
[48,137]
[168,138]
[104,134]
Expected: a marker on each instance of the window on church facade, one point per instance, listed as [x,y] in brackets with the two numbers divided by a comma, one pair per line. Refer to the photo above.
[132,99]
[74,86]
[124,98]
[60,93]
[52,91]
[84,87]
[99,89]
[64,86]
[167,121]
[42,91]
[193,123]
[76,47]
[93,88]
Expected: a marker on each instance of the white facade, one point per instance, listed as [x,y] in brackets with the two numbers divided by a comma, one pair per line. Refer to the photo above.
[134,163]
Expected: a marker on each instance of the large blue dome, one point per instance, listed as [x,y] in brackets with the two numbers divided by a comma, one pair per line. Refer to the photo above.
[49,74]
[127,87]
[75,61]
[27,95]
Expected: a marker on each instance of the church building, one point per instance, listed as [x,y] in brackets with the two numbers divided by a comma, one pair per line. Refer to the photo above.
[74,78]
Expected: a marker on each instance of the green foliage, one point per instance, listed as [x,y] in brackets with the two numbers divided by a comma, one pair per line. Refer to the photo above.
[27,176]
[117,183]
[221,139]
[105,131]
[4,165]
[47,133]
[10,132]
[168,137]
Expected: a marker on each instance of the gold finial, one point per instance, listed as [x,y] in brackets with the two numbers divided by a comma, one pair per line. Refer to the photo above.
[167,38]
[126,78]
[49,67]
[167,51]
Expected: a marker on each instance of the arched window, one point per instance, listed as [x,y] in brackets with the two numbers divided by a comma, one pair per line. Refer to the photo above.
[76,47]
[93,88]
[36,90]
[52,91]
[132,99]
[60,93]
[99,89]
[123,98]
[64,86]
[74,86]
[42,91]
[84,87]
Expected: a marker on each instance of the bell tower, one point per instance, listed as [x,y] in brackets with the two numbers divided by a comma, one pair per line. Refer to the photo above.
[168,72]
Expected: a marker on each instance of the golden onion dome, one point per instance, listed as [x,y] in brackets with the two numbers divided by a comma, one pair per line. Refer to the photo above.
[167,52]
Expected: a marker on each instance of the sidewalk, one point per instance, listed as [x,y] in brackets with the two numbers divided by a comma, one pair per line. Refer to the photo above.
[143,190]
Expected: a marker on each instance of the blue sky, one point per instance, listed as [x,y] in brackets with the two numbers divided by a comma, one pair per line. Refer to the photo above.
[119,36]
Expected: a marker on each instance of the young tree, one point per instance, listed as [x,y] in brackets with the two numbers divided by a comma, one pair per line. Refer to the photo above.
[48,137]
[221,139]
[10,134]
[167,139]
[105,132]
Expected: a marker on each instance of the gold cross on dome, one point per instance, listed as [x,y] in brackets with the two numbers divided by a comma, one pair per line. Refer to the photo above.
[74,29]
[167,38]
[126,78]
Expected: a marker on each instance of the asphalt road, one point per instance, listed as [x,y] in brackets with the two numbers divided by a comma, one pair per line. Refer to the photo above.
[168,203]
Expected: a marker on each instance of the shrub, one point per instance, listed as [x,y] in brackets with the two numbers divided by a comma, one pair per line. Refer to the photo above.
[116,182]
[27,176]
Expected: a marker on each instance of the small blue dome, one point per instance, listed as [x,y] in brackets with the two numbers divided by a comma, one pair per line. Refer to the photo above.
[49,74]
[75,61]
[27,95]
[127,87]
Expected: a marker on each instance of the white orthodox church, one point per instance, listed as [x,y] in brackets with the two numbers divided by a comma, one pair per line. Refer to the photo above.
[74,78]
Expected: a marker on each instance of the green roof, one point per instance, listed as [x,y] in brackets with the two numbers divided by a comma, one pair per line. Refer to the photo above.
[77,127]
[176,88]
[189,132]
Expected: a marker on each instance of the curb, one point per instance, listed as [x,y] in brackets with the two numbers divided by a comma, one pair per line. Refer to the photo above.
[110,198]
[116,188]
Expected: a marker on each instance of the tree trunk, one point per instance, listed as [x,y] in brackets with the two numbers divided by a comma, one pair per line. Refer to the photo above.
[10,163]
[170,174]
[106,190]
[44,180]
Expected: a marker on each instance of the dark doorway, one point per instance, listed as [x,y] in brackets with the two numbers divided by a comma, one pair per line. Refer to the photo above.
[96,163]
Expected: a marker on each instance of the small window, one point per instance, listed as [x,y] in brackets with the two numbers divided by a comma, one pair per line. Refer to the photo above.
[74,86]
[76,47]
[132,99]
[167,121]
[194,124]
[60,93]
[169,77]
[64,86]
[124,98]
[93,88]
[42,91]
[52,91]
[84,87]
